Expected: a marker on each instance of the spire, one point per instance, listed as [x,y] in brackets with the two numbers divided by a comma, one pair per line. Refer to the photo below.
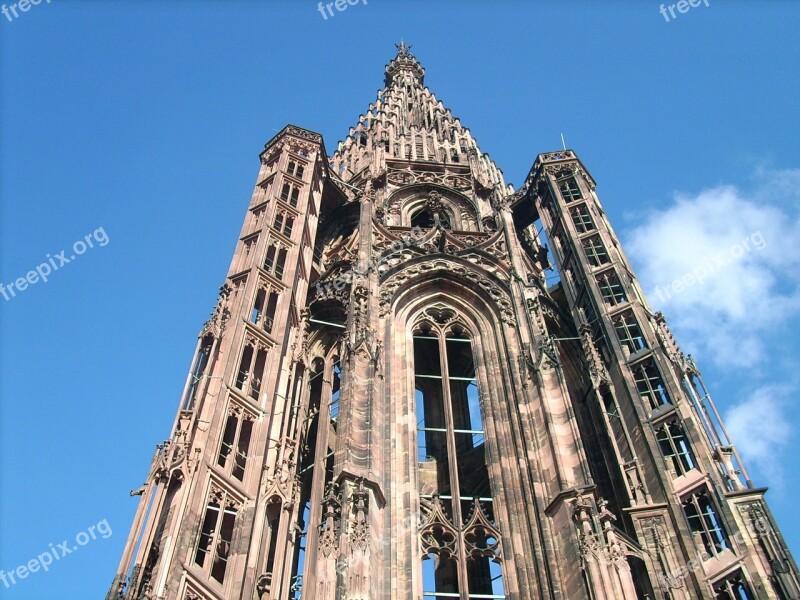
[404,68]
[407,122]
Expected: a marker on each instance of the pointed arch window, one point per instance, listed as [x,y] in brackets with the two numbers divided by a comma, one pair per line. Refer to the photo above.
[216,533]
[460,544]
[296,168]
[316,462]
[582,218]
[705,523]
[235,445]
[596,252]
[675,448]
[611,288]
[198,370]
[275,262]
[568,186]
[650,385]
[290,194]
[628,331]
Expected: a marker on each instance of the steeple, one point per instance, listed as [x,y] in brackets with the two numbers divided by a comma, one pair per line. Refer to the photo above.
[404,69]
[388,401]
[407,122]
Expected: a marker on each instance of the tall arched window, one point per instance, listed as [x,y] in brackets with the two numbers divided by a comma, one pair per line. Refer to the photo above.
[459,538]
[315,468]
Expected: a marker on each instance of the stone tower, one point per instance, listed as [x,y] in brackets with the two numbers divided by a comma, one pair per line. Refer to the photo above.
[389,403]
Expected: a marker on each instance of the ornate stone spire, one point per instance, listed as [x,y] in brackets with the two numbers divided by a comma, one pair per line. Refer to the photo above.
[408,123]
[404,68]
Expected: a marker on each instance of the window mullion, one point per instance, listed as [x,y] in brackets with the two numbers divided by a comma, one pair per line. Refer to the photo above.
[319,465]
[455,490]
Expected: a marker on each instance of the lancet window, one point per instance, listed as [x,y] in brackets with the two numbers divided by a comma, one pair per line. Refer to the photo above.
[460,545]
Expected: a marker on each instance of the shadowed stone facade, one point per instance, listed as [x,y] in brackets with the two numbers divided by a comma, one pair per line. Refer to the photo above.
[390,403]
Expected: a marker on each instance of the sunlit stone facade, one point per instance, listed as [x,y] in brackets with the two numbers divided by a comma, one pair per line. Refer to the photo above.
[390,402]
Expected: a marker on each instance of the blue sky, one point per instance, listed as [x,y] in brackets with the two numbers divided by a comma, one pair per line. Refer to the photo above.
[145,119]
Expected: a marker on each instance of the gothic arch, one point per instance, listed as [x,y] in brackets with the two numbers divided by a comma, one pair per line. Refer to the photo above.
[336,233]
[452,299]
[408,201]
[454,273]
[323,342]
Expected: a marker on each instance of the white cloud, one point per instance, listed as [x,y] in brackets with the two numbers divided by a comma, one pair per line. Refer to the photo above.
[761,430]
[744,245]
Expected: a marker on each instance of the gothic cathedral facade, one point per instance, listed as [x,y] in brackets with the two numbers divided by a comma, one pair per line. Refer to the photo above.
[389,401]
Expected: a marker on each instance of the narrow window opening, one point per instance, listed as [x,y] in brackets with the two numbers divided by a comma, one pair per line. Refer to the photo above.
[258,307]
[285,191]
[705,523]
[242,448]
[244,367]
[307,478]
[651,387]
[278,223]
[269,313]
[287,228]
[198,370]
[675,447]
[582,218]
[484,575]
[224,545]
[570,191]
[207,533]
[336,390]
[439,576]
[611,288]
[280,263]
[629,333]
[228,437]
[299,560]
[269,261]
[258,374]
[734,587]
[596,252]
[273,518]
[431,425]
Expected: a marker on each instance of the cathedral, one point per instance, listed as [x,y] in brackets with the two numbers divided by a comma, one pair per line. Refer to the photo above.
[391,402]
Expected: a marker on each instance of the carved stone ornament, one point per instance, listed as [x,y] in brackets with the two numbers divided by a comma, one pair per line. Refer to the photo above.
[437,533]
[495,292]
[359,532]
[329,530]
[219,317]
